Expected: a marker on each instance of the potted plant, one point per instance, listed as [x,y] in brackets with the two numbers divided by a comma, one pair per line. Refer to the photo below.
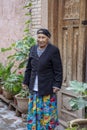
[20,48]
[5,71]
[79,101]
[22,100]
[12,85]
[77,124]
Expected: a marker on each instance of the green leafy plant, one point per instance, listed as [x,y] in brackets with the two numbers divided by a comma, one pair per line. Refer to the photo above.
[28,6]
[5,71]
[22,49]
[1,72]
[13,83]
[78,87]
[18,59]
[24,93]
[79,101]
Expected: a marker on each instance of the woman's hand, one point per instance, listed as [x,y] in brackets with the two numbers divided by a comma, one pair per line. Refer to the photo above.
[55,89]
[24,86]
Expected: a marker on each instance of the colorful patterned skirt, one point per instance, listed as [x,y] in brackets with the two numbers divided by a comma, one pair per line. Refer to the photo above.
[42,112]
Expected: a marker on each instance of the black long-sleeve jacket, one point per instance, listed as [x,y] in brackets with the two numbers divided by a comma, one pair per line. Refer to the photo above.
[48,67]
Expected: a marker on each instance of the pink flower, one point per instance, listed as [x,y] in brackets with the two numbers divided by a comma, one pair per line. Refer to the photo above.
[20,72]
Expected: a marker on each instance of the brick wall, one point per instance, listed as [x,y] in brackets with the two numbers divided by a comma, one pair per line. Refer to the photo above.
[39,15]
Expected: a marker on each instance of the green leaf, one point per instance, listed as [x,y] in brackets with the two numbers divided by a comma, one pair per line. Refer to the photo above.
[77,87]
[26,30]
[22,64]
[74,128]
[11,56]
[28,5]
[6,49]
[13,44]
[28,21]
[29,13]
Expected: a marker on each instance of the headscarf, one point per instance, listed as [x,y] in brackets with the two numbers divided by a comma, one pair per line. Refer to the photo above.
[44,31]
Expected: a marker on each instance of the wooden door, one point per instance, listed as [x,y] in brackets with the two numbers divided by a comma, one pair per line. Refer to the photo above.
[71,42]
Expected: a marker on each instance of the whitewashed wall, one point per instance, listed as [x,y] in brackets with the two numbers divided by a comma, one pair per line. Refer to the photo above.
[12,18]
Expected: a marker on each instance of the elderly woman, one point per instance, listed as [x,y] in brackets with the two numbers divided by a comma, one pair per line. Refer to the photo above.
[43,76]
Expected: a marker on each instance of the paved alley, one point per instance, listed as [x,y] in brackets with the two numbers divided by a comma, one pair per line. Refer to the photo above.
[8,120]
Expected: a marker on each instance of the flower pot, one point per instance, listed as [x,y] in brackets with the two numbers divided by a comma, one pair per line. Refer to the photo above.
[7,94]
[15,101]
[22,103]
[0,89]
[81,123]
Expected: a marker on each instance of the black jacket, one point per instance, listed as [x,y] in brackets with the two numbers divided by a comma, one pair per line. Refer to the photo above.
[48,67]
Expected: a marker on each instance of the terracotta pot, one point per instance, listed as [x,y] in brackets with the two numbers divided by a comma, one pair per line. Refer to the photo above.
[0,89]
[15,101]
[22,103]
[7,94]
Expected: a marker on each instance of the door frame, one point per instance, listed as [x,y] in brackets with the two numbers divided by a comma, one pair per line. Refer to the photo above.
[54,25]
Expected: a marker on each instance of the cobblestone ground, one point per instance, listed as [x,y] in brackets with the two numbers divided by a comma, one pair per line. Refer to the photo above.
[8,120]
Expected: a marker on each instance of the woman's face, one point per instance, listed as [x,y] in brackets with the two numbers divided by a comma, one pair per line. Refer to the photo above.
[42,40]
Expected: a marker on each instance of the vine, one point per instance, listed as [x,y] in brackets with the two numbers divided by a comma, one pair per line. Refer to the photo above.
[28,6]
[22,47]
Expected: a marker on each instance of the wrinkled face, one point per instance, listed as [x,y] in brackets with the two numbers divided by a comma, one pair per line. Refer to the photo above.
[42,40]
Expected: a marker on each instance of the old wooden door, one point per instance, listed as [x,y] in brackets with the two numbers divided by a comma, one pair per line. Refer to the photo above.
[71,42]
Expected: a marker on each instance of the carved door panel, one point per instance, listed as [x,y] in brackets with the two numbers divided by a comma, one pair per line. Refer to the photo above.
[71,42]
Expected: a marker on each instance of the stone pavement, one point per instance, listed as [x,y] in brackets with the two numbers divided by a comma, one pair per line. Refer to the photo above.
[8,120]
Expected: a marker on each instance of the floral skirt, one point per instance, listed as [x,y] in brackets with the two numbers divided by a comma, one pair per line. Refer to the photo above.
[42,112]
